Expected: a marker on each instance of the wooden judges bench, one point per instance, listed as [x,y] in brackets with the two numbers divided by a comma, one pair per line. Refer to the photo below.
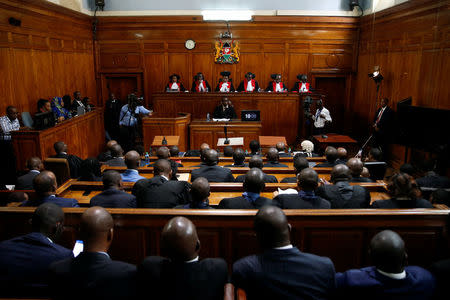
[342,235]
[84,136]
[279,111]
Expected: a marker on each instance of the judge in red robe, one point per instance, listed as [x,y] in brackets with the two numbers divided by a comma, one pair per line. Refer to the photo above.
[276,85]
[301,86]
[225,84]
[249,84]
[200,84]
[174,84]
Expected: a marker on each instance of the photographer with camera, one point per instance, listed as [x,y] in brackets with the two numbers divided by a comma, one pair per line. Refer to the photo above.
[321,118]
[130,114]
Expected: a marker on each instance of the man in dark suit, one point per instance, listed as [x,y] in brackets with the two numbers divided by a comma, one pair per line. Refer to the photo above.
[331,155]
[73,160]
[281,148]
[77,101]
[441,271]
[105,156]
[45,186]
[257,162]
[160,191]
[342,155]
[212,171]
[250,199]
[389,278]
[113,195]
[356,167]
[25,182]
[112,116]
[382,126]
[164,153]
[200,191]
[282,271]
[24,260]
[273,157]
[432,178]
[225,110]
[308,180]
[92,274]
[117,159]
[341,194]
[238,158]
[300,163]
[182,275]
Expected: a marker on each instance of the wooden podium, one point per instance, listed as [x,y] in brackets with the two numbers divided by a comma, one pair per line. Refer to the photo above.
[267,142]
[170,124]
[172,140]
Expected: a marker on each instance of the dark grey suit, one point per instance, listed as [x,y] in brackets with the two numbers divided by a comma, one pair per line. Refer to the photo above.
[213,174]
[25,182]
[113,198]
[242,203]
[343,195]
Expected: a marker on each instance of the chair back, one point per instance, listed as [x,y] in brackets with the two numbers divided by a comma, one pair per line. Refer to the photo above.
[60,167]
[376,169]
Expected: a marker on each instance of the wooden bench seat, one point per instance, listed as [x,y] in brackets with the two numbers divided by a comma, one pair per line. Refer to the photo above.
[342,235]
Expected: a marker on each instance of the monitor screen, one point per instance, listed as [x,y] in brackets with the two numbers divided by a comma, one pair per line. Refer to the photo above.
[44,120]
[250,115]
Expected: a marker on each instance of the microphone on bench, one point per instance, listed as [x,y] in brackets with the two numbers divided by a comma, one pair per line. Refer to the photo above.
[225,130]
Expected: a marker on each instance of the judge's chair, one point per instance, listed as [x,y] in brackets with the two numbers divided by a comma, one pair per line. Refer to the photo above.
[60,167]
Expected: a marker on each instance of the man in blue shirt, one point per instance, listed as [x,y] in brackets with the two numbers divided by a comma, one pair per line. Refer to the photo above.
[132,160]
[128,121]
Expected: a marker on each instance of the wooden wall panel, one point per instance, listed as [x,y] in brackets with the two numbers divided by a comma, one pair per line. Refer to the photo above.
[268,45]
[50,54]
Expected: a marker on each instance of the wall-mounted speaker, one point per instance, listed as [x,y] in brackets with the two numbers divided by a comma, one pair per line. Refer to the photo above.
[14,21]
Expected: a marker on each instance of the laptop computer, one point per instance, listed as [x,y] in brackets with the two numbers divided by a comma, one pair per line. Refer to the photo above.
[250,115]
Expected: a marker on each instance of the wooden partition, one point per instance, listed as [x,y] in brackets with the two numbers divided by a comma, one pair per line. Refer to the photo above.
[342,235]
[50,54]
[84,136]
[166,124]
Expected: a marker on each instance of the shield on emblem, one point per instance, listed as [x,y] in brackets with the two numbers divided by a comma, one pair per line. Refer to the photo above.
[226,51]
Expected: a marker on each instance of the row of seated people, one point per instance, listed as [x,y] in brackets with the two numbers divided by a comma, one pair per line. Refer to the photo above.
[162,192]
[36,266]
[249,84]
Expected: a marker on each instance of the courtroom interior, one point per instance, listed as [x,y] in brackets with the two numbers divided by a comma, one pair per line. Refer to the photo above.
[224,149]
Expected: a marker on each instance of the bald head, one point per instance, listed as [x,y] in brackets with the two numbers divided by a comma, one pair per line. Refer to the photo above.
[132,159]
[365,173]
[307,179]
[116,150]
[110,143]
[200,190]
[60,147]
[211,157]
[387,251]
[331,154]
[342,153]
[163,152]
[162,167]
[256,162]
[179,240]
[300,163]
[340,172]
[272,155]
[228,151]
[280,146]
[34,163]
[45,183]
[272,228]
[238,156]
[356,166]
[48,219]
[96,229]
[204,146]
[112,180]
[254,181]
[174,150]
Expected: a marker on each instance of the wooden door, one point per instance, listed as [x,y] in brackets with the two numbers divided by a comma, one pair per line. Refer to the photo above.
[335,89]
[121,85]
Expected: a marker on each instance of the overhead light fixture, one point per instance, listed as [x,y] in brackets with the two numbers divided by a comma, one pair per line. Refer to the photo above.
[227,15]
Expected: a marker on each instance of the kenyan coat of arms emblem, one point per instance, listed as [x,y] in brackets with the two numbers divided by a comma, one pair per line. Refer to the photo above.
[227,52]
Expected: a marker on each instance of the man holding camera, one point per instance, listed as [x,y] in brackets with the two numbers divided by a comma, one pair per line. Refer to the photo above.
[321,118]
[128,121]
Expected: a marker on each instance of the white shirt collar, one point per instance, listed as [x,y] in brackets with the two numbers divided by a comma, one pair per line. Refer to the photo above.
[284,247]
[191,261]
[49,239]
[174,86]
[35,171]
[249,85]
[397,276]
[165,177]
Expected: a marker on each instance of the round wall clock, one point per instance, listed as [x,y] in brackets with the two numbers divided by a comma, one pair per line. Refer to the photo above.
[189,44]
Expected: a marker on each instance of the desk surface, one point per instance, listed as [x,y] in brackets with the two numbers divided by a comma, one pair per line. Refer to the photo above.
[333,138]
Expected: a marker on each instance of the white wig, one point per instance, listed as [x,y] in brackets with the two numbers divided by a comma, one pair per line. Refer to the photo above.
[307,146]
